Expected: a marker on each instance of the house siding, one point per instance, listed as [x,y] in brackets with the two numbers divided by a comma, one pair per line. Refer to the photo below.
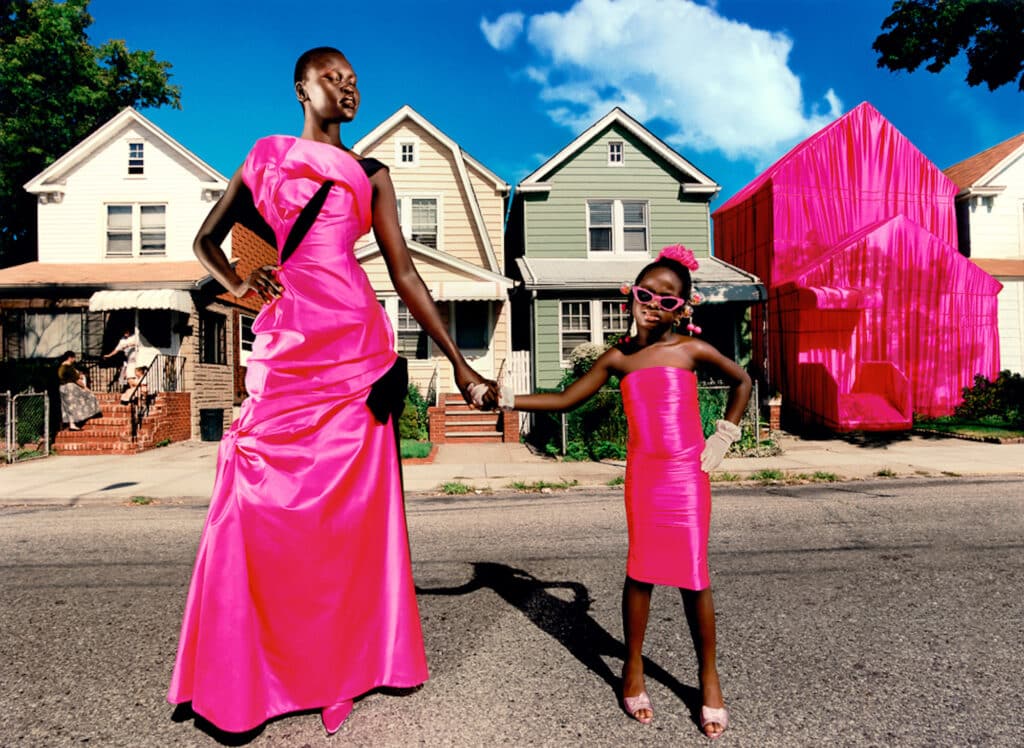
[435,174]
[74,230]
[997,232]
[556,223]
[547,354]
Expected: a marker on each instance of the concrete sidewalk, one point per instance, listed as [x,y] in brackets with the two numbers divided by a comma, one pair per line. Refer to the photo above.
[184,471]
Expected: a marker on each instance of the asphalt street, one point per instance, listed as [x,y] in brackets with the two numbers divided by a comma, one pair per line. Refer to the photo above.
[851,614]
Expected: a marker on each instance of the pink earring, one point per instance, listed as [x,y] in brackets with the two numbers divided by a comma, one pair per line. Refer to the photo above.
[690,327]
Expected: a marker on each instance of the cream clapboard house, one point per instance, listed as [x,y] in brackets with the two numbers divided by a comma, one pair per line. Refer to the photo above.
[451,209]
[117,216]
[990,230]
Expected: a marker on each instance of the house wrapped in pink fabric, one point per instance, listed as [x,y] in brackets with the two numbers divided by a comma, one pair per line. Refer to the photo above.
[872,313]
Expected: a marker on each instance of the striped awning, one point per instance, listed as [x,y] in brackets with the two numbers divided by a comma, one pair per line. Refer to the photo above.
[148,298]
[465,290]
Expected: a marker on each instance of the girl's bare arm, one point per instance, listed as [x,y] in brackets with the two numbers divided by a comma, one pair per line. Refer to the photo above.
[577,392]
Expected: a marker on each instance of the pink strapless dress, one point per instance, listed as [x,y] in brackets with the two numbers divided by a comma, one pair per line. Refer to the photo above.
[668,496]
[302,594]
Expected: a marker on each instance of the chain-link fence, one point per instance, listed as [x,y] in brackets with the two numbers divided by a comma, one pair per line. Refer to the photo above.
[26,425]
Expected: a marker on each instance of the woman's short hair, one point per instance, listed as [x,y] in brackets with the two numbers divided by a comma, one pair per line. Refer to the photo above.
[308,56]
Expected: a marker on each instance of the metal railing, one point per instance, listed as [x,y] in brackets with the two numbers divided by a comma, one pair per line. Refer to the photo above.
[164,374]
[433,396]
[26,425]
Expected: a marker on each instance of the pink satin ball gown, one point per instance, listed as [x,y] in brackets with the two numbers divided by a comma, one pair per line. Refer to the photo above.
[302,594]
[668,496]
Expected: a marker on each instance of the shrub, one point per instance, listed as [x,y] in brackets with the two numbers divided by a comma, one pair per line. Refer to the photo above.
[1001,399]
[409,423]
[417,401]
[583,357]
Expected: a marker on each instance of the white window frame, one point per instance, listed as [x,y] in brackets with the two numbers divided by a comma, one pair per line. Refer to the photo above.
[597,331]
[391,308]
[400,145]
[135,229]
[138,161]
[616,153]
[244,346]
[618,249]
[405,214]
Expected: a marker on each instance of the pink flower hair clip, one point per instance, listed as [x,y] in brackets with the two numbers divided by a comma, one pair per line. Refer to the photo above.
[680,254]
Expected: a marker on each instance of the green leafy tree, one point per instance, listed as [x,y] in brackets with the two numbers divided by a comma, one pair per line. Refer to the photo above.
[56,88]
[991,32]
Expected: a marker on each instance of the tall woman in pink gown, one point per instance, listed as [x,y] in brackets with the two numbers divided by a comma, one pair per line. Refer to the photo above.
[302,595]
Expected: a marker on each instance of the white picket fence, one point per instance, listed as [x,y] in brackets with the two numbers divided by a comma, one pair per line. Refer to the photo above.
[516,372]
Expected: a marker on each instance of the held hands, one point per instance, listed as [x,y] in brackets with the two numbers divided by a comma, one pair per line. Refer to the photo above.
[726,432]
[478,392]
[262,281]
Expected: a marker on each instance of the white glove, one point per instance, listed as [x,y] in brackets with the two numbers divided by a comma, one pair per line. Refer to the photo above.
[726,432]
[476,394]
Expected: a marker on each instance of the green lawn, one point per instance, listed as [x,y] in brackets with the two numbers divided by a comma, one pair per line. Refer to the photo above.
[970,430]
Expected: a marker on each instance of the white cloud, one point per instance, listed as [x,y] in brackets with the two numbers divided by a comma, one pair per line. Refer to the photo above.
[720,83]
[502,33]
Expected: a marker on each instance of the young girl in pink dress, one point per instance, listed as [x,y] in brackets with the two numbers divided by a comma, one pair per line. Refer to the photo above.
[302,595]
[668,492]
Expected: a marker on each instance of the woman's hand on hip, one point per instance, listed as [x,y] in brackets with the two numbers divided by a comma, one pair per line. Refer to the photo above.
[262,281]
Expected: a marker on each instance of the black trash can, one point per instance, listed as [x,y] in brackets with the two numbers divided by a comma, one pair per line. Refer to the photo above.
[211,424]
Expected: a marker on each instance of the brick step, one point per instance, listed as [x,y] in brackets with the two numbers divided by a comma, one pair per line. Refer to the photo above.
[95,449]
[471,416]
[470,428]
[472,438]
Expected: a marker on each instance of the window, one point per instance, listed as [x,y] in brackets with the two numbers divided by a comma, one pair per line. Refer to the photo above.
[405,153]
[634,226]
[135,159]
[599,215]
[472,325]
[594,321]
[615,154]
[119,231]
[212,338]
[617,226]
[424,221]
[246,337]
[31,334]
[152,230]
[412,340]
[135,230]
[575,325]
[614,319]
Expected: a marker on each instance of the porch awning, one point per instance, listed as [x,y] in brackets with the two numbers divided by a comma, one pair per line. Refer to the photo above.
[716,280]
[148,298]
[469,290]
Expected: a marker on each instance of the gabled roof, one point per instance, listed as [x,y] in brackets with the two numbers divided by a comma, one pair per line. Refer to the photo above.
[535,182]
[443,259]
[460,157]
[982,167]
[872,122]
[52,177]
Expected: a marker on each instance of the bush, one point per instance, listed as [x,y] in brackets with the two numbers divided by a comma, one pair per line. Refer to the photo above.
[409,424]
[583,357]
[420,404]
[999,400]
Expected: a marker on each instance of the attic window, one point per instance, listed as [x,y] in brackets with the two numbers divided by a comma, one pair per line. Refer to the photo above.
[406,153]
[615,155]
[135,160]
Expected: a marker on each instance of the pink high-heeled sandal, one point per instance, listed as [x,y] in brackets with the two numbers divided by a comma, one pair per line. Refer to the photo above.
[710,715]
[334,716]
[634,704]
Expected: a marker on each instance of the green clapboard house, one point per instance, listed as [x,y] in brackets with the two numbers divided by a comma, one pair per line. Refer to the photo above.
[588,220]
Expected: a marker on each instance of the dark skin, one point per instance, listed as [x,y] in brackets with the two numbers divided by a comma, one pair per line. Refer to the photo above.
[658,344]
[330,97]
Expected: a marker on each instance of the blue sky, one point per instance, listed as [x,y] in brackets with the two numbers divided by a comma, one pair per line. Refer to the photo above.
[731,85]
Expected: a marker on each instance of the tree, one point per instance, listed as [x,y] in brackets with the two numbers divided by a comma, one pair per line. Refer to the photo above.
[991,31]
[56,88]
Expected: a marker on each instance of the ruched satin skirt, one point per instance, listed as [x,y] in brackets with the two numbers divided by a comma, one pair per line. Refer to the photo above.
[668,496]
